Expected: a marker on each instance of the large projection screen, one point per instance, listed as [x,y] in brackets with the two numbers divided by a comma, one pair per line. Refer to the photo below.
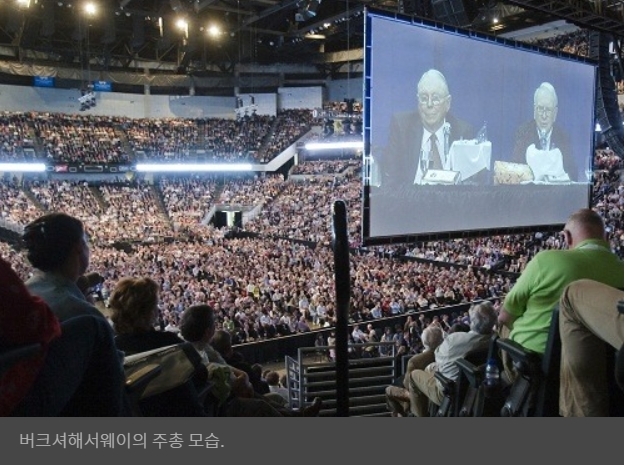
[530,167]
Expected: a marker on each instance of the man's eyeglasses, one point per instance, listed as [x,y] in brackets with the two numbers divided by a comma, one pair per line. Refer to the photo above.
[544,110]
[434,100]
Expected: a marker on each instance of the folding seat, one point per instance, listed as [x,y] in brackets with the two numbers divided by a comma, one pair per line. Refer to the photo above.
[535,390]
[169,382]
[454,391]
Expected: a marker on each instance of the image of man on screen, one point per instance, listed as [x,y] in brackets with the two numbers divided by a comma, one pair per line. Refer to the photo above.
[542,144]
[420,140]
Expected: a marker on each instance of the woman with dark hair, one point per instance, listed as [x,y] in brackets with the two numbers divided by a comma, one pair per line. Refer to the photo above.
[57,247]
[134,305]
[78,372]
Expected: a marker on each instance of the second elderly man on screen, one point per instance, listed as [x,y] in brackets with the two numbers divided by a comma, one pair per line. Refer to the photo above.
[542,144]
[421,139]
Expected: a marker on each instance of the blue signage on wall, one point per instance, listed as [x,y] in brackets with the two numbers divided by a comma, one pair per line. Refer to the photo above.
[43,81]
[102,86]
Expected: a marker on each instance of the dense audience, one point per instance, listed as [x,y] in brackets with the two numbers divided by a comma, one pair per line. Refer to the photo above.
[188,200]
[326,166]
[290,126]
[303,211]
[168,139]
[229,140]
[79,139]
[16,207]
[575,43]
[251,192]
[269,285]
[15,136]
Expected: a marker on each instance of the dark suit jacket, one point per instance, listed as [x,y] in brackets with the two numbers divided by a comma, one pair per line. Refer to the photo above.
[527,134]
[400,161]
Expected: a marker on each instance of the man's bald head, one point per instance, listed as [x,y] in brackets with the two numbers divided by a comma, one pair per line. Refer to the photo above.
[582,225]
[433,98]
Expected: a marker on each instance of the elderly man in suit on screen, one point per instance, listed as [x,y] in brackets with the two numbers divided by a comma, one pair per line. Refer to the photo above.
[420,140]
[542,144]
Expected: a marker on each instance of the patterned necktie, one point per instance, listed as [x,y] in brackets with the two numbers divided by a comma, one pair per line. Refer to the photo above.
[543,140]
[435,159]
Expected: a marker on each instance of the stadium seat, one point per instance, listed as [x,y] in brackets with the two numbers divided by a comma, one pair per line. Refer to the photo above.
[136,384]
[454,392]
[169,382]
[535,390]
[473,400]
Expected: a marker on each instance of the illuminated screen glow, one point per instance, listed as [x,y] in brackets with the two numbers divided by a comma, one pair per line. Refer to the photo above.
[490,83]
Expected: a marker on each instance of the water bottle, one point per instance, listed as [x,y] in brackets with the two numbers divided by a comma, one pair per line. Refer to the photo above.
[482,134]
[492,378]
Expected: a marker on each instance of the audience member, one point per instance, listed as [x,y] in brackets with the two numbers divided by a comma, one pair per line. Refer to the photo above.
[527,308]
[398,398]
[221,341]
[77,371]
[273,380]
[134,305]
[231,386]
[589,320]
[423,386]
[57,247]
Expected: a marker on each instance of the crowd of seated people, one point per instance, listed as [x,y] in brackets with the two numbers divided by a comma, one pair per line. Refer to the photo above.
[302,211]
[187,199]
[15,136]
[249,191]
[167,139]
[576,43]
[133,209]
[15,206]
[72,197]
[326,166]
[608,196]
[229,140]
[265,286]
[290,126]
[79,139]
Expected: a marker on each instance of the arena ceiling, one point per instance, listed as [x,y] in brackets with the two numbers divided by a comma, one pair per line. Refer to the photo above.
[143,34]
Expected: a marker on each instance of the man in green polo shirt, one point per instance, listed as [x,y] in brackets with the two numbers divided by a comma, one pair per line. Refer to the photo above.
[527,308]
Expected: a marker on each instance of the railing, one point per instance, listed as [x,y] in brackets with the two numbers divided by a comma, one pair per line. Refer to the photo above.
[310,375]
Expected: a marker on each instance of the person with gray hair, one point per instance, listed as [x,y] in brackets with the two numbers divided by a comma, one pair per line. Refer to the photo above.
[397,397]
[423,386]
[541,136]
[420,139]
